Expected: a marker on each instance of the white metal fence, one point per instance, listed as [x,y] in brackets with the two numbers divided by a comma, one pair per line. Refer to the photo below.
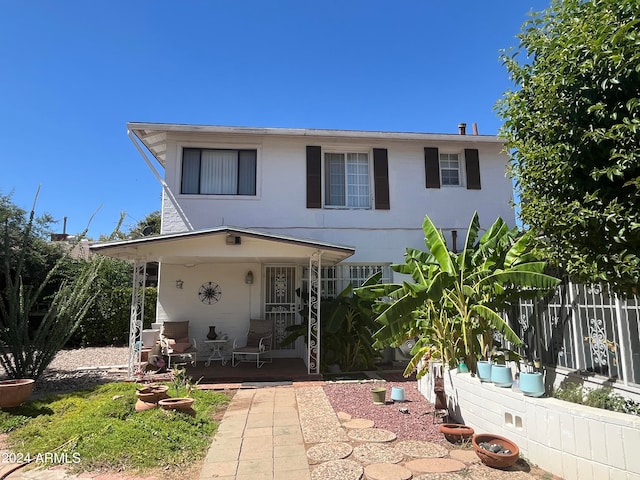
[585,328]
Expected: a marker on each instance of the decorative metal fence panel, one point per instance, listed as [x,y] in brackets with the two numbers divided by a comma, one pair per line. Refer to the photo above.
[583,327]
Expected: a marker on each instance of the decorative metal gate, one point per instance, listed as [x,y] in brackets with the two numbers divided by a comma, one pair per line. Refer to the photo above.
[280,301]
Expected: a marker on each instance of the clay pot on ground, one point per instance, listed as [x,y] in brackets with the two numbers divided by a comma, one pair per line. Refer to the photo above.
[15,392]
[499,458]
[180,404]
[456,433]
[149,396]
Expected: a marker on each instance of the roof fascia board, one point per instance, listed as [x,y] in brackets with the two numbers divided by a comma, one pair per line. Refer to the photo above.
[306,132]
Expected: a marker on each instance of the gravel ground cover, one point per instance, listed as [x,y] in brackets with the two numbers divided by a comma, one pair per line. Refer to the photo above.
[355,398]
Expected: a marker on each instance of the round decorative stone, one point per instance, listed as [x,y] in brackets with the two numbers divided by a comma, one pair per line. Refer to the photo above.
[358,423]
[377,453]
[466,456]
[441,476]
[372,435]
[385,471]
[337,470]
[435,465]
[421,449]
[323,452]
[344,416]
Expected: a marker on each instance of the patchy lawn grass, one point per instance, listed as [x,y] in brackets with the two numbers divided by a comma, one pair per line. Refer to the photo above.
[99,429]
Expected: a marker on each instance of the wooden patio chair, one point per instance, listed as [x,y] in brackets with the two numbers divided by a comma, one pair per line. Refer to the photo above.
[176,344]
[258,344]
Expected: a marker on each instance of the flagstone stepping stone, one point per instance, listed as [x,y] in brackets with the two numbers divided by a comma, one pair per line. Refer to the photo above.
[358,423]
[344,416]
[377,453]
[329,451]
[372,435]
[466,456]
[482,472]
[421,449]
[442,476]
[385,471]
[337,470]
[435,465]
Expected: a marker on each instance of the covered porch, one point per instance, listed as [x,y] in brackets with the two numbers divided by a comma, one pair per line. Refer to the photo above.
[224,277]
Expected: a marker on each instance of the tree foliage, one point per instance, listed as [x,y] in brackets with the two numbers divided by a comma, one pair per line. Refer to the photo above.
[455,301]
[35,326]
[573,129]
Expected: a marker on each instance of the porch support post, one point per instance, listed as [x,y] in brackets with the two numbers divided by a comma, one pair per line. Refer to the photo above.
[315,292]
[137,315]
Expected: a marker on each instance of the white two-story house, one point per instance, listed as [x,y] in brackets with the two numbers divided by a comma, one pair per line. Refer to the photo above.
[251,217]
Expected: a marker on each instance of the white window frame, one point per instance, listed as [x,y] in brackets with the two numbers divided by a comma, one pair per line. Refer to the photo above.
[346,151]
[336,278]
[460,168]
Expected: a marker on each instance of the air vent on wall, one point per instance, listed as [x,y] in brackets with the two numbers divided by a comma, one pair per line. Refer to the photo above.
[233,240]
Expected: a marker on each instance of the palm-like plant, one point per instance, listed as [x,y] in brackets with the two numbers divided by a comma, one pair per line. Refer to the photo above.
[453,304]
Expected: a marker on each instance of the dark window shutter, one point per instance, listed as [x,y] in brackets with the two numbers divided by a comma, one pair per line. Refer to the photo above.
[432,167]
[472,162]
[381,178]
[314,177]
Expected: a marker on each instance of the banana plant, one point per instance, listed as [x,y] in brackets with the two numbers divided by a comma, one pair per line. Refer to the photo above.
[454,303]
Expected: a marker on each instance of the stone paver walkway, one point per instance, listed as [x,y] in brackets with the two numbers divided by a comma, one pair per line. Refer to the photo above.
[293,433]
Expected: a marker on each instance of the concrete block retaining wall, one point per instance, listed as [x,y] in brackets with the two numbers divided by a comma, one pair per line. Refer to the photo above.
[572,441]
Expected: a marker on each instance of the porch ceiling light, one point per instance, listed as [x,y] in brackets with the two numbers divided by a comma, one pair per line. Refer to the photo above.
[179,284]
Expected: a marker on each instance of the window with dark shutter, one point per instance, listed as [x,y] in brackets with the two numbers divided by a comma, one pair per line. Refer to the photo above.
[432,167]
[472,163]
[314,177]
[381,178]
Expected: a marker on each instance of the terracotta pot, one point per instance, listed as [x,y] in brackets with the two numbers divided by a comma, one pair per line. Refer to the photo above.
[15,392]
[182,404]
[152,393]
[455,432]
[149,396]
[491,459]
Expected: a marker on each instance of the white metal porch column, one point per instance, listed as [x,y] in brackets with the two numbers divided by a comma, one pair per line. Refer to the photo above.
[137,315]
[315,291]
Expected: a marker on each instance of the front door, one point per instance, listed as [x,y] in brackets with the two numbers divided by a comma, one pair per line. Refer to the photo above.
[280,303]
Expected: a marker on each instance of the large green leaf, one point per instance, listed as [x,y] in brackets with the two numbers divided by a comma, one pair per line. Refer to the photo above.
[498,323]
[437,246]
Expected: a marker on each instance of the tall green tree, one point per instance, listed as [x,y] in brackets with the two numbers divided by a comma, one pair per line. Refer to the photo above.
[455,301]
[572,126]
[34,326]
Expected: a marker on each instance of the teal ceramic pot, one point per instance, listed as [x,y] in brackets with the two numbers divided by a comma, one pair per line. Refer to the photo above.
[532,384]
[501,376]
[484,371]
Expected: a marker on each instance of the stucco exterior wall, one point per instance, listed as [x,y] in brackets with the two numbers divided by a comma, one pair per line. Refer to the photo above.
[378,235]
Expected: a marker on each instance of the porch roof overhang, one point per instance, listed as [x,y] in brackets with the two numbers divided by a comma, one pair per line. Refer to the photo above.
[221,245]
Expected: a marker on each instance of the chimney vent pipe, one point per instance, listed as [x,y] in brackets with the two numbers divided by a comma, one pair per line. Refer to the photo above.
[462,128]
[475,128]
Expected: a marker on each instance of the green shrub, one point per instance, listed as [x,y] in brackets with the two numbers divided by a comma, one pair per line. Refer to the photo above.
[601,397]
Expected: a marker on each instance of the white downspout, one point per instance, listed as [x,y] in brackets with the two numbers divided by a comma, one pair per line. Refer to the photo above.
[165,187]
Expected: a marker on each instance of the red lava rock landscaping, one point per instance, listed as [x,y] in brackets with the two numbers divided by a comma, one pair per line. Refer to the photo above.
[356,399]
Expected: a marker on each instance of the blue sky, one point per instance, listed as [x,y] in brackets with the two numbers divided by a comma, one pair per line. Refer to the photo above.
[73,73]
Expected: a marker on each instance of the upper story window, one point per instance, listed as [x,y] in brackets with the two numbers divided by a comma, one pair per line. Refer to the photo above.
[347,182]
[446,169]
[450,169]
[218,172]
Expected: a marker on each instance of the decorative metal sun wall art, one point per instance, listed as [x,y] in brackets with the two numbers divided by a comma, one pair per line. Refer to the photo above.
[209,293]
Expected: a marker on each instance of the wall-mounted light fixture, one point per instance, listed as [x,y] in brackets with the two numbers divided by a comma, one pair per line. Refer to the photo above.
[179,284]
[249,278]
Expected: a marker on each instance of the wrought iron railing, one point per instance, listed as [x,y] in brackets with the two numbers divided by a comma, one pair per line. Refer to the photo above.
[585,328]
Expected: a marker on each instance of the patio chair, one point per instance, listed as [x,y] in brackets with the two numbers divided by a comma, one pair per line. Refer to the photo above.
[258,344]
[176,344]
